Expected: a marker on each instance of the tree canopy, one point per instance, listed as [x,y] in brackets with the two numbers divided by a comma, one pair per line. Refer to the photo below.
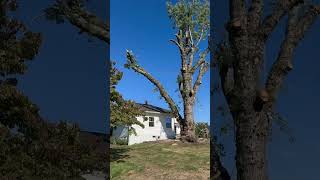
[31,147]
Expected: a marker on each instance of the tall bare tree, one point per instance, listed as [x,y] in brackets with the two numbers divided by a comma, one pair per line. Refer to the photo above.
[191,20]
[250,98]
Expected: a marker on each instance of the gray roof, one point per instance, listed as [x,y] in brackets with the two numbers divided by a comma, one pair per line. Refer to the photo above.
[149,107]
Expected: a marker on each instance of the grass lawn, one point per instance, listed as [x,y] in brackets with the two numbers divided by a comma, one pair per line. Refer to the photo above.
[168,160]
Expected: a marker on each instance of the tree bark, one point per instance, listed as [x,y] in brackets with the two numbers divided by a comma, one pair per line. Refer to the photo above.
[251,142]
[188,133]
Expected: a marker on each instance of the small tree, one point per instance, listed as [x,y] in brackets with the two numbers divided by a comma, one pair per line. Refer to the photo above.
[31,148]
[123,112]
[191,20]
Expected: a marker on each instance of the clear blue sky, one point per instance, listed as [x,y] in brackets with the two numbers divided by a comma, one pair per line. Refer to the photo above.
[144,27]
[67,79]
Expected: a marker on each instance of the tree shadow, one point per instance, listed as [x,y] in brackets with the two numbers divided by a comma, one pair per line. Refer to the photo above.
[169,131]
[118,154]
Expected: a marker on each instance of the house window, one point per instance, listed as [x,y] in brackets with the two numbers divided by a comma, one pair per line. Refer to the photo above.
[168,122]
[145,119]
[151,122]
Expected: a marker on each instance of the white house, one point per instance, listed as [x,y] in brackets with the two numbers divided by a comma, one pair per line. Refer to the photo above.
[159,124]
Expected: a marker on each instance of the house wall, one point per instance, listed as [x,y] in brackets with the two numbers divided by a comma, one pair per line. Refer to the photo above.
[158,132]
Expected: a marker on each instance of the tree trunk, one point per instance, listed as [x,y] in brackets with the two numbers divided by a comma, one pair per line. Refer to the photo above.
[251,143]
[249,96]
[249,110]
[188,132]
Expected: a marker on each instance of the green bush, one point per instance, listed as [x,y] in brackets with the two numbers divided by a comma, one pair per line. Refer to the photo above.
[119,141]
[202,130]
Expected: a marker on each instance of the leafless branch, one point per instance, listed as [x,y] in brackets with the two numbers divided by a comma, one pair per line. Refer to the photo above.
[132,64]
[85,21]
[294,34]
[280,10]
[200,61]
[203,69]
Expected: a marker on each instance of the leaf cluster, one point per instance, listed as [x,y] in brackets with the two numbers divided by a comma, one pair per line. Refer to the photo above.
[193,14]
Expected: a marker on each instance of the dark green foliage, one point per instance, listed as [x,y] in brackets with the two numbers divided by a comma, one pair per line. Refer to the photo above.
[30,147]
[17,44]
[16,111]
[57,152]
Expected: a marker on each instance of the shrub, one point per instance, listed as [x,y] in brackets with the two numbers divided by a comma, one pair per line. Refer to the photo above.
[119,141]
[202,130]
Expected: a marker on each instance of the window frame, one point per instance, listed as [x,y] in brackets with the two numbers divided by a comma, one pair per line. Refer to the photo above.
[151,118]
[168,123]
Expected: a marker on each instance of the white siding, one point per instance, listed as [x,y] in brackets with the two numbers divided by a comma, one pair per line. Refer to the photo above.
[158,132]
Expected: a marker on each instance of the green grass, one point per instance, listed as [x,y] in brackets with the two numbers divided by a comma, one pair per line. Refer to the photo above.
[160,160]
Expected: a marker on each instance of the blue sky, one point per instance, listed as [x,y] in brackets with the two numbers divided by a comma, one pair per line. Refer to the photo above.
[67,79]
[144,27]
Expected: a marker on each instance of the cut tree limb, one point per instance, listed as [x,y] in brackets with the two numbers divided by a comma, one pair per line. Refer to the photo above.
[201,60]
[203,69]
[295,32]
[132,64]
[280,10]
[85,21]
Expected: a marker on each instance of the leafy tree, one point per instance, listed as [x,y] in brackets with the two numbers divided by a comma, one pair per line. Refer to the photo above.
[31,148]
[123,112]
[251,99]
[191,20]
[76,13]
[18,45]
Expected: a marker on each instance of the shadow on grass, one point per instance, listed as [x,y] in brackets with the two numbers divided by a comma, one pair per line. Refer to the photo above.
[118,154]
